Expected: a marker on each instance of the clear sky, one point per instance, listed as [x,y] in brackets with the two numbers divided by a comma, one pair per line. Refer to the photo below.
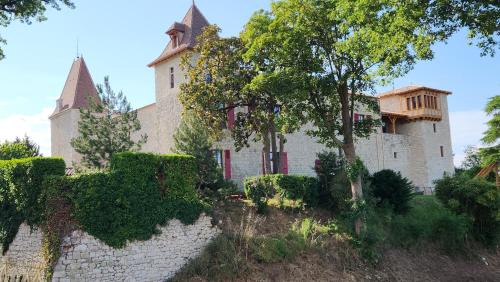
[119,38]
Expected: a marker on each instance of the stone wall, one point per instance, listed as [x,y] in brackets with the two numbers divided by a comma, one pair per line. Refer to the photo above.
[84,258]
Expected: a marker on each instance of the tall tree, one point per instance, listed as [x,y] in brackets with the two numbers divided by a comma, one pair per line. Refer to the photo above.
[492,135]
[193,138]
[19,148]
[25,11]
[341,49]
[106,128]
[221,81]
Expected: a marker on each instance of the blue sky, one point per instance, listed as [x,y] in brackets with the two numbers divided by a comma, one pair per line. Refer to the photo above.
[119,38]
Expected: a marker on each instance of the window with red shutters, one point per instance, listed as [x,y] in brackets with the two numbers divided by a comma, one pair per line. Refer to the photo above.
[227,164]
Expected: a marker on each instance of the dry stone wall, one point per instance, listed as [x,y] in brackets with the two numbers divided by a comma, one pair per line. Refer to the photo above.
[85,258]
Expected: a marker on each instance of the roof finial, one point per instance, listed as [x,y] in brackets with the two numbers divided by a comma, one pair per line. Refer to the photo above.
[194,3]
[77,49]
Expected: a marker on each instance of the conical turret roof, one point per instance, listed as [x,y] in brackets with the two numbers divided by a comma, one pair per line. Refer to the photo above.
[77,89]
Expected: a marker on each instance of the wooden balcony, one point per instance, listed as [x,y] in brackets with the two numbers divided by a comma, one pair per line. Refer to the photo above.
[424,114]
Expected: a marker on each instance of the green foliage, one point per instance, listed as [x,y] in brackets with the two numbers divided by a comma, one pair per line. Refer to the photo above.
[475,198]
[140,192]
[20,190]
[492,134]
[334,183]
[193,138]
[25,11]
[106,128]
[277,248]
[390,188]
[286,187]
[19,149]
[428,221]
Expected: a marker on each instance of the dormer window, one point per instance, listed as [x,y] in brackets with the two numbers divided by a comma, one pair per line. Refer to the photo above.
[175,41]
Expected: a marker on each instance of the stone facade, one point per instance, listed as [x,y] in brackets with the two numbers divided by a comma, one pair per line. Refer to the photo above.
[84,258]
[410,142]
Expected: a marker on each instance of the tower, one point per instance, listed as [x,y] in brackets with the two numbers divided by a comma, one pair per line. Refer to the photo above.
[64,121]
[169,76]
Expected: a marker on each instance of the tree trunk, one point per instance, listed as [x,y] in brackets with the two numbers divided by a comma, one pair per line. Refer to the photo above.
[274,149]
[266,153]
[281,150]
[350,151]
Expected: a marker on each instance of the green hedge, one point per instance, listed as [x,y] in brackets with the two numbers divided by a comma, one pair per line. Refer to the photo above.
[140,192]
[20,189]
[291,187]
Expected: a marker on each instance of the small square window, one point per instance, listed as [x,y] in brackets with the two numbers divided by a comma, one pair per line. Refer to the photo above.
[395,155]
[172,78]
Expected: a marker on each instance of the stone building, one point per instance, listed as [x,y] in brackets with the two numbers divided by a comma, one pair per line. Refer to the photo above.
[414,140]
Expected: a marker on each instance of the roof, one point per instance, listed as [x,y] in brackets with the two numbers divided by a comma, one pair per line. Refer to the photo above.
[412,88]
[78,87]
[193,24]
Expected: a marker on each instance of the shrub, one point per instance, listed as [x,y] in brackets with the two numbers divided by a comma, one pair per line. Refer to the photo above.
[287,187]
[20,189]
[476,198]
[140,192]
[334,189]
[390,188]
[429,221]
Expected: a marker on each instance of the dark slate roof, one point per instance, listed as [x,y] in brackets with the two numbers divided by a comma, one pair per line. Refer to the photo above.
[193,24]
[78,87]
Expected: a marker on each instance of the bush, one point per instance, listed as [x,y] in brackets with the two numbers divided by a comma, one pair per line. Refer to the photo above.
[476,198]
[140,192]
[334,189]
[20,189]
[18,149]
[429,221]
[287,187]
[390,188]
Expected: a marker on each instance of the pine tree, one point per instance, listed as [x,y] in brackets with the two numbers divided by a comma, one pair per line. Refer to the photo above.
[19,148]
[106,128]
[193,138]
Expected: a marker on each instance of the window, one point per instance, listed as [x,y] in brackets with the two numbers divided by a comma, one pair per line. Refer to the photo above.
[435,103]
[434,127]
[408,104]
[442,151]
[172,78]
[419,98]
[414,102]
[395,155]
[426,104]
[218,158]
[174,41]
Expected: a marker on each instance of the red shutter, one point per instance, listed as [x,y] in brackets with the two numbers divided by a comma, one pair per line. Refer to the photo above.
[230,118]
[284,163]
[227,164]
[356,117]
[317,164]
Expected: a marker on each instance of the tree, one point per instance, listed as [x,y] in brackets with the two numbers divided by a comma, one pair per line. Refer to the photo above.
[192,138]
[341,49]
[26,10]
[222,81]
[105,128]
[19,148]
[492,135]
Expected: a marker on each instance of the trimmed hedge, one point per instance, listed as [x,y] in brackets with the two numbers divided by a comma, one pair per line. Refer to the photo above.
[291,187]
[20,189]
[140,192]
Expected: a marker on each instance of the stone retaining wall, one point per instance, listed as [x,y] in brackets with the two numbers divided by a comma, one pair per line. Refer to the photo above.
[84,258]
